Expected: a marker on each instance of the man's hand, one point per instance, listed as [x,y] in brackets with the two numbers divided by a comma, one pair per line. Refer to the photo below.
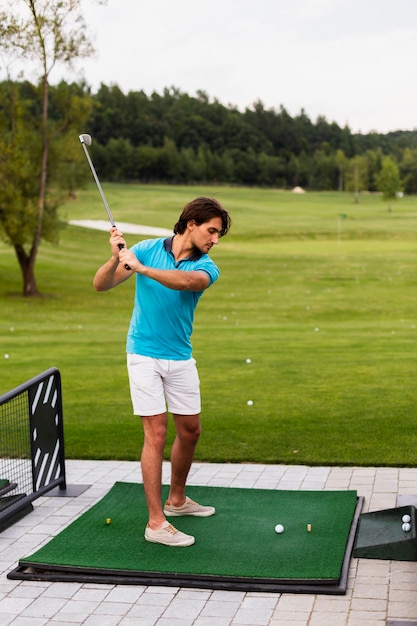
[113,272]
[116,241]
[127,257]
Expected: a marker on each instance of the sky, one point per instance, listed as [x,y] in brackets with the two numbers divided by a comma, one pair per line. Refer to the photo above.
[352,61]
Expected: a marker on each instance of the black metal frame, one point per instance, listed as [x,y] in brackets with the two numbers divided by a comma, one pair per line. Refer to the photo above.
[46,443]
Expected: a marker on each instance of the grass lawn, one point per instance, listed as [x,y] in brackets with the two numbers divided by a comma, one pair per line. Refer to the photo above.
[318,292]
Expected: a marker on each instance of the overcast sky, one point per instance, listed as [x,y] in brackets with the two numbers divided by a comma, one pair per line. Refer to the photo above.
[353,61]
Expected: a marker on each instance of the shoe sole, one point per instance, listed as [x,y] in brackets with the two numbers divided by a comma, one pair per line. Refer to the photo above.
[170,513]
[183,544]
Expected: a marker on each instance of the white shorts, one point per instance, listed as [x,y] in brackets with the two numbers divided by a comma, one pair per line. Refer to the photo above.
[156,384]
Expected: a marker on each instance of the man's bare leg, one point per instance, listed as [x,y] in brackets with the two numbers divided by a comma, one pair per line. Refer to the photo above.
[158,529]
[188,431]
[154,428]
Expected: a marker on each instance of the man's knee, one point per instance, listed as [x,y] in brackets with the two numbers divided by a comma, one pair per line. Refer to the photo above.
[193,434]
[155,430]
[188,428]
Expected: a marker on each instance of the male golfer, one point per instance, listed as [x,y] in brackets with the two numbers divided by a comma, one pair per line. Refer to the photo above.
[171,275]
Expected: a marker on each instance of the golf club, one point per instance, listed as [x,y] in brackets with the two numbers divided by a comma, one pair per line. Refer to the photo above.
[86,141]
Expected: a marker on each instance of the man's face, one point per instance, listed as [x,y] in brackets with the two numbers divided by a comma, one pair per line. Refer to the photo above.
[206,235]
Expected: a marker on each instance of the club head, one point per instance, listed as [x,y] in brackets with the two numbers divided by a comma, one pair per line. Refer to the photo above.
[85,138]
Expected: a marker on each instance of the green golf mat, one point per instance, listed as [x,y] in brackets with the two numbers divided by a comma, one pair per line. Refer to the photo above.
[6,486]
[11,509]
[237,548]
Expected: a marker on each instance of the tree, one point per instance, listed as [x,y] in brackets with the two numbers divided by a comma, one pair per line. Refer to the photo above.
[408,170]
[341,163]
[388,180]
[43,33]
[356,176]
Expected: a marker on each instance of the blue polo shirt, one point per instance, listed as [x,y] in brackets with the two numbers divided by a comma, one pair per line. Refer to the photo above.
[162,318]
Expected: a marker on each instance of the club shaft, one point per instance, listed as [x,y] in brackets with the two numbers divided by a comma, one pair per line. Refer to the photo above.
[103,197]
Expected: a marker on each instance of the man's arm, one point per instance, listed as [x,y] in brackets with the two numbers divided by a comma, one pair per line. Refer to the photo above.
[113,272]
[197,280]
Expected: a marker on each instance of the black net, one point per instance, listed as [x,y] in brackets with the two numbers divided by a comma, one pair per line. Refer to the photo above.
[15,451]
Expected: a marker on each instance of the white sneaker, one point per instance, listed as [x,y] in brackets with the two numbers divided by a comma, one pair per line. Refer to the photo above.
[168,536]
[189,508]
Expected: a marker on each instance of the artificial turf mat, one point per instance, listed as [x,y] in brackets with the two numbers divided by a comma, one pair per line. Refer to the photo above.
[237,548]
[6,486]
[12,509]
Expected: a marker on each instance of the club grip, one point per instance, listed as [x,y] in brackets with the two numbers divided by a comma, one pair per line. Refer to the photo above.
[120,245]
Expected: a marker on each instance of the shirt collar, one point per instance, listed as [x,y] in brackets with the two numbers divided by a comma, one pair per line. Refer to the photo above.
[168,247]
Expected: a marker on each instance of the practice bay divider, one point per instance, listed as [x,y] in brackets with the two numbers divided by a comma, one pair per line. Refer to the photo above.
[32,457]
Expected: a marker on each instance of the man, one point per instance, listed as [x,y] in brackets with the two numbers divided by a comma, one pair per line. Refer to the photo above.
[171,275]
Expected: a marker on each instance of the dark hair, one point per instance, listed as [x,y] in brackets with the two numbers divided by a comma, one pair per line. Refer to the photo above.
[202,210]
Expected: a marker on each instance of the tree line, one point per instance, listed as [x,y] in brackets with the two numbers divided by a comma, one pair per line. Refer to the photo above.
[177,138]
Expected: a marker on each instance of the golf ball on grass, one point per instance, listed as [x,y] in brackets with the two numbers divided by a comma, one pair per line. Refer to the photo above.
[249,402]
[406,518]
[279,528]
[6,356]
[248,361]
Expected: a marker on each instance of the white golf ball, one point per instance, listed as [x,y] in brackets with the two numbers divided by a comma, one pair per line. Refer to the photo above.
[248,361]
[406,518]
[6,356]
[249,402]
[406,527]
[279,528]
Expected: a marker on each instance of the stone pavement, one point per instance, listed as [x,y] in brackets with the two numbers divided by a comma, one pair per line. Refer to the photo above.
[380,593]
